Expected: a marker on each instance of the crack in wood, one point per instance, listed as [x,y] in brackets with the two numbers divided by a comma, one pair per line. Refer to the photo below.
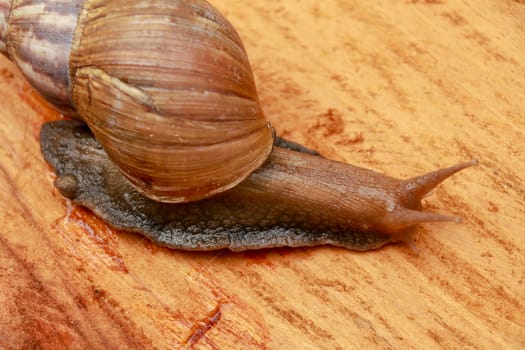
[203,327]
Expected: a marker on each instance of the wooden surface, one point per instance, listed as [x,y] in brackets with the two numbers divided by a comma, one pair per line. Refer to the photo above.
[401,87]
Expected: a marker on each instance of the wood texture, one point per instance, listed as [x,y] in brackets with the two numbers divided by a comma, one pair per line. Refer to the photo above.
[401,87]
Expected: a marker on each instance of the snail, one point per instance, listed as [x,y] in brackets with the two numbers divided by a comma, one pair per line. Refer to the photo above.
[170,139]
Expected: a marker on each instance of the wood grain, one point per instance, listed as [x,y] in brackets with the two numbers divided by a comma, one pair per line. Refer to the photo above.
[402,87]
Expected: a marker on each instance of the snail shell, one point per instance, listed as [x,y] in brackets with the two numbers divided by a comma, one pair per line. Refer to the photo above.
[165,86]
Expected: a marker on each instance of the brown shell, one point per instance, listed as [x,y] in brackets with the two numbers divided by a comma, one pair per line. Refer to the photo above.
[37,36]
[165,86]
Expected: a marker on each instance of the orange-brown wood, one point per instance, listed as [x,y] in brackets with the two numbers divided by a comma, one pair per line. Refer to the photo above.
[401,87]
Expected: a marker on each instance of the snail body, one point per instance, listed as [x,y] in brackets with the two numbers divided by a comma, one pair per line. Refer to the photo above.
[178,148]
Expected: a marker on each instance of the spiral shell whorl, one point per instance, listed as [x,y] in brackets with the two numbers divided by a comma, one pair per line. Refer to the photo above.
[38,39]
[5,9]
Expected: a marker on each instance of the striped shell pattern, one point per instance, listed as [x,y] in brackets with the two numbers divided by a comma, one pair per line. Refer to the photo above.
[165,86]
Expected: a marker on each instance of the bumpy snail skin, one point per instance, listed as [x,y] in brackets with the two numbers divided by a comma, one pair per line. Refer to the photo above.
[294,199]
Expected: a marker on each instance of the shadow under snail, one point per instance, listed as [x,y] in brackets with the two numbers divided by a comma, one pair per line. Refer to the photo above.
[181,150]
